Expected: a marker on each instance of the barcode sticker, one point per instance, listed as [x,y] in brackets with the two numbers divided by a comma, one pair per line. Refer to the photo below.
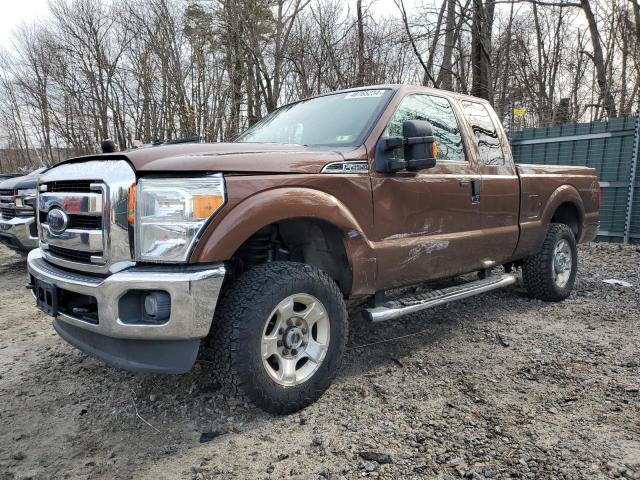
[364,94]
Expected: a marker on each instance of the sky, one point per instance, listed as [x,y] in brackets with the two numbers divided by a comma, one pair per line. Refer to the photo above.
[16,12]
[13,13]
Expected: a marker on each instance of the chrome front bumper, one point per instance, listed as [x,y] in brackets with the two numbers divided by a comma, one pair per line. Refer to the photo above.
[16,233]
[194,294]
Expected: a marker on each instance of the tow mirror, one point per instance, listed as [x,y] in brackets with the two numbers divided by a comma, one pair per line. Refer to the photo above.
[418,144]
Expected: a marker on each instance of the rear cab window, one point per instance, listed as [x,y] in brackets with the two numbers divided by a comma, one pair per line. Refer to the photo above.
[485,133]
[437,111]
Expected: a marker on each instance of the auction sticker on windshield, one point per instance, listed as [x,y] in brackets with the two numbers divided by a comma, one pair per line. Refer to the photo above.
[364,94]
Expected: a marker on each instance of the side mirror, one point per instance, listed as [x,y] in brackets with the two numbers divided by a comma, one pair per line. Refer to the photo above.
[419,148]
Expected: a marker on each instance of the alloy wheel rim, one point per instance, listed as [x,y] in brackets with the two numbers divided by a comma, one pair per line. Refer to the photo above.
[562,263]
[295,339]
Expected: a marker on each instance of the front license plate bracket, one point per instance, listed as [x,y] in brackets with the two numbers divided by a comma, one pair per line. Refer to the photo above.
[47,297]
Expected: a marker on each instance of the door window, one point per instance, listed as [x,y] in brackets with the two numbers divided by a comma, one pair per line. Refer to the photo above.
[485,133]
[438,112]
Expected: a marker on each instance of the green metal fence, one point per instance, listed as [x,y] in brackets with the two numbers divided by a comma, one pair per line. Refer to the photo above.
[611,148]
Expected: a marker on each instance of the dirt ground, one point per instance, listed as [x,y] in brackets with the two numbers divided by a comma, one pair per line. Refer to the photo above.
[496,386]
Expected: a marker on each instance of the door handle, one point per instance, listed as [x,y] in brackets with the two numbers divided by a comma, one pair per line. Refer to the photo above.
[475,184]
[475,191]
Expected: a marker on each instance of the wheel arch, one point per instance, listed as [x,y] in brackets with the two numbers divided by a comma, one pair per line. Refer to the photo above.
[565,206]
[304,240]
[315,222]
[568,214]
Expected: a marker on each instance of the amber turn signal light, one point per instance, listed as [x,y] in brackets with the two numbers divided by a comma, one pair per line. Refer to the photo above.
[131,205]
[205,205]
[434,150]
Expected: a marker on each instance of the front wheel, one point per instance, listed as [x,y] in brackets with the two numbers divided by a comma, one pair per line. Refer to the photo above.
[550,274]
[279,335]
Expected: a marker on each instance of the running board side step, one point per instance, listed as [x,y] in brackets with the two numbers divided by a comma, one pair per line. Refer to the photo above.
[406,305]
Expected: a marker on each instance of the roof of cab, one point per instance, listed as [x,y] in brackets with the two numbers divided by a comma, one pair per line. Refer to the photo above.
[396,87]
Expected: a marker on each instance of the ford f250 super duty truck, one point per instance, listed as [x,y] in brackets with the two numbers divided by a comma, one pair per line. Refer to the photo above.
[255,246]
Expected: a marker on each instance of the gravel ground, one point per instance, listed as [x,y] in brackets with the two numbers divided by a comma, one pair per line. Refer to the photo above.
[496,386]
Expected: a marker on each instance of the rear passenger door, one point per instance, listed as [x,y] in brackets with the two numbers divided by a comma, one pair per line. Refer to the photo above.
[499,200]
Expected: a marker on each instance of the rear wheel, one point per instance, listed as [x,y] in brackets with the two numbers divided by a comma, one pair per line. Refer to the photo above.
[550,274]
[279,335]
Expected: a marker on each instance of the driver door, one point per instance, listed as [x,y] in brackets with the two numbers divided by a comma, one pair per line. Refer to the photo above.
[427,224]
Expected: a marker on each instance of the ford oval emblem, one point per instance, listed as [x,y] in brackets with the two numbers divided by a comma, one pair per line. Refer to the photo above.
[57,221]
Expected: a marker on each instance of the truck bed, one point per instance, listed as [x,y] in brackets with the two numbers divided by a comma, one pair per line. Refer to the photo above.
[541,188]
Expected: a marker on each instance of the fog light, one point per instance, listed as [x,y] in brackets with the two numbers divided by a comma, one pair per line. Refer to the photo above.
[157,305]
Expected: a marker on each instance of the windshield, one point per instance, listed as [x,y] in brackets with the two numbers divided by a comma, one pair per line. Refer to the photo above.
[337,120]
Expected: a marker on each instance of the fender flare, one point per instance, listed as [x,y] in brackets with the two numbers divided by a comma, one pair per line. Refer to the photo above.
[222,239]
[563,194]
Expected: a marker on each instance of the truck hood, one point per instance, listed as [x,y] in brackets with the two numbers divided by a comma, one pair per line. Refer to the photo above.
[229,157]
[26,181]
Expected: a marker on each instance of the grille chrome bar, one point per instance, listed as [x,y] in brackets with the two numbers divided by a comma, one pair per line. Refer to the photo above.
[75,239]
[72,203]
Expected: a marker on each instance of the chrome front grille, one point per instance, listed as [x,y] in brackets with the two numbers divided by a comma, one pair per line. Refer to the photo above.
[7,207]
[88,246]
[94,235]
[7,212]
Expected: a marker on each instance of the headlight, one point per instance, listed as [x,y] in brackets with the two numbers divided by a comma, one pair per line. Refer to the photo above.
[170,214]
[22,194]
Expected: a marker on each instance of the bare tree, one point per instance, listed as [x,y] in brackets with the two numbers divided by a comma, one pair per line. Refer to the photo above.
[159,69]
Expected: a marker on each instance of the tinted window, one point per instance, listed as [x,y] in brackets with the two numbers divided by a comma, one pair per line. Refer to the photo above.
[340,119]
[486,134]
[438,112]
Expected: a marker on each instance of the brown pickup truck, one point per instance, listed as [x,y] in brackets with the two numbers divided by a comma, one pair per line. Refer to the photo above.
[255,246]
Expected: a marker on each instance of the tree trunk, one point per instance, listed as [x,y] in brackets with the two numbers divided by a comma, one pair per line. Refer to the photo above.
[482,23]
[507,67]
[445,75]
[434,43]
[608,102]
